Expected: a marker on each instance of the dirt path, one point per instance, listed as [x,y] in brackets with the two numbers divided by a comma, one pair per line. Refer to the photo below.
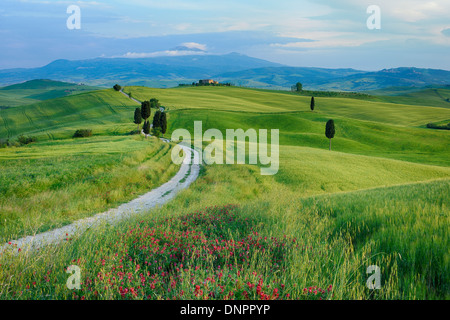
[137,101]
[162,109]
[187,174]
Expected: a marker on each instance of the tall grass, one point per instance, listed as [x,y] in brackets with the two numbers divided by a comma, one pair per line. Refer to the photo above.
[410,224]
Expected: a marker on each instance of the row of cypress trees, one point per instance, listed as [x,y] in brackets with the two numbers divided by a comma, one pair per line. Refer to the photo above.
[159,119]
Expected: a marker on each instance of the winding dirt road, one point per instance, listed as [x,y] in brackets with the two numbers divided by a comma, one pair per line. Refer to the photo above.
[126,95]
[188,173]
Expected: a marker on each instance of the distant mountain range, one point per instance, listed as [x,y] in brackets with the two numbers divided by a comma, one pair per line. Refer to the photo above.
[235,68]
[104,71]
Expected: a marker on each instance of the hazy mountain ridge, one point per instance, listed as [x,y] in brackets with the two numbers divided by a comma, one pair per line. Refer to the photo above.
[338,79]
[396,77]
[131,70]
[235,68]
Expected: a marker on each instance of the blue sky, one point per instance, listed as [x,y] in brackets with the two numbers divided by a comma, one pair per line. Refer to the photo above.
[319,33]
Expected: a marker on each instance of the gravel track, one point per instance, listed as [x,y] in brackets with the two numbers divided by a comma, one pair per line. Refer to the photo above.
[188,173]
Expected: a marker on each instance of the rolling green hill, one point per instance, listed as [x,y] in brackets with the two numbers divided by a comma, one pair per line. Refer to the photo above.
[432,96]
[260,101]
[307,129]
[38,90]
[364,127]
[105,110]
[380,197]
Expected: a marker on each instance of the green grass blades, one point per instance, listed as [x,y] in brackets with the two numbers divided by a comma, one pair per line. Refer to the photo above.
[408,225]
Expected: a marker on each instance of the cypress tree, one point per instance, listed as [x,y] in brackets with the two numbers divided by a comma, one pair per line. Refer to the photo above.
[157,119]
[313,104]
[330,130]
[137,117]
[163,123]
[146,127]
[145,110]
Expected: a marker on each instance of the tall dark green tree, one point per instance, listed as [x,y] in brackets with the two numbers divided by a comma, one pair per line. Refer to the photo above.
[313,104]
[157,119]
[137,117]
[147,127]
[163,123]
[330,130]
[145,110]
[299,87]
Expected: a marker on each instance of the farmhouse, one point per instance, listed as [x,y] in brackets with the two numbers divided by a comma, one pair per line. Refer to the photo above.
[207,81]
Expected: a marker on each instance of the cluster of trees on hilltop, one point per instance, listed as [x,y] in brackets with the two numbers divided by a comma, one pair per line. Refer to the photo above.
[298,87]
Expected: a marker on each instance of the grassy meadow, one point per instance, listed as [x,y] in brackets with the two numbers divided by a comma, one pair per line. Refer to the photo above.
[381,197]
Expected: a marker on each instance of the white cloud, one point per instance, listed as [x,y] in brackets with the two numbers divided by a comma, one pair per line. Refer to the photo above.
[182,26]
[194,45]
[415,10]
[166,53]
[403,10]
[331,43]
[172,4]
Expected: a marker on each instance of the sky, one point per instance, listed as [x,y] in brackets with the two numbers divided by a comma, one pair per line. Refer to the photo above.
[307,33]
